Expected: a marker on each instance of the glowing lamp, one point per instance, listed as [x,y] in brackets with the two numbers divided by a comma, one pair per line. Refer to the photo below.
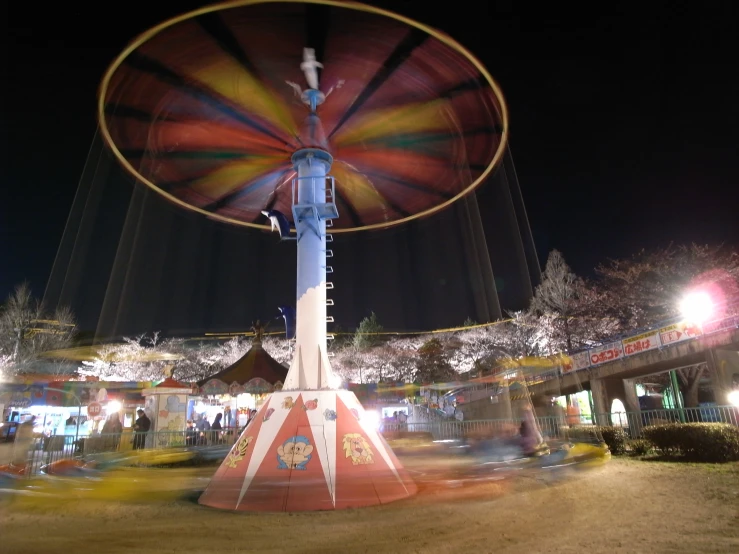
[373,418]
[114,406]
[697,307]
[734,398]
[334,381]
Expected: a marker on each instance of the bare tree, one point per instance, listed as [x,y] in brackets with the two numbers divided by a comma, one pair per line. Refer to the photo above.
[27,331]
[568,303]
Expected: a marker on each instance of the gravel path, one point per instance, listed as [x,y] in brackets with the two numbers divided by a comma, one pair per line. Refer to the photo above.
[624,506]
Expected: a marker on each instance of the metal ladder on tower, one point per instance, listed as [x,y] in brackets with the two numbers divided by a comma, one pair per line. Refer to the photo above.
[329,269]
[325,211]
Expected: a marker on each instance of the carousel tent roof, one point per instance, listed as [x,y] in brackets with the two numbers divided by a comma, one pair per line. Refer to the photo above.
[255,364]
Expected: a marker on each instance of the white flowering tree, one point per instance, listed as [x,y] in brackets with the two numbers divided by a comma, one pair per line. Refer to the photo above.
[141,358]
[402,353]
[280,348]
[6,367]
[469,348]
[568,306]
[145,357]
[355,364]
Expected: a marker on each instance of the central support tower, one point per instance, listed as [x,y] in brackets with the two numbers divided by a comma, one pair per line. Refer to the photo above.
[311,446]
[314,205]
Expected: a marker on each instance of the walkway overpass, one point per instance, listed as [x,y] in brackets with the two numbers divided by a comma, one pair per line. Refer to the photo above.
[612,368]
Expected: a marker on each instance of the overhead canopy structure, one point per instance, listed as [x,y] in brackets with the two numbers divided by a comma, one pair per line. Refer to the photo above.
[412,120]
[256,372]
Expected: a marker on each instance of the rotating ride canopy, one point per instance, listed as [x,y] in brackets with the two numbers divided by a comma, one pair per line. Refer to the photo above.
[206,110]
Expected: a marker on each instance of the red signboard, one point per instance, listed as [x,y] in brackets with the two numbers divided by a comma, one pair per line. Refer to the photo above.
[94,409]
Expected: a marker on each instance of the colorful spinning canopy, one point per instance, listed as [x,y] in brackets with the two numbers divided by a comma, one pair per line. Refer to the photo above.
[203,110]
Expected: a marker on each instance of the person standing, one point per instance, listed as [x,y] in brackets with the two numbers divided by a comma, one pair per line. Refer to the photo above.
[203,426]
[112,430]
[215,429]
[140,427]
[23,441]
[403,420]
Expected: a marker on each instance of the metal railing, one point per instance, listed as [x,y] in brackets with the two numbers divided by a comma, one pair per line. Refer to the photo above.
[552,427]
[40,451]
[635,421]
[45,450]
[558,427]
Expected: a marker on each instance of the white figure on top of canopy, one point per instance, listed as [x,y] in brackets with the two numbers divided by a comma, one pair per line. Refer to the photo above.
[310,67]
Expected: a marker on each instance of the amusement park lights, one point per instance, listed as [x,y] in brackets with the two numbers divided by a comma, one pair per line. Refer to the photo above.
[734,398]
[697,307]
[114,406]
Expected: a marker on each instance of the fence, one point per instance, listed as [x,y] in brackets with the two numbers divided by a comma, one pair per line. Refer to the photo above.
[634,421]
[41,451]
[46,450]
[557,428]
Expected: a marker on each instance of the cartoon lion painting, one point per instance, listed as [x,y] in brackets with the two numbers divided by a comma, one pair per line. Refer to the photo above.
[358,449]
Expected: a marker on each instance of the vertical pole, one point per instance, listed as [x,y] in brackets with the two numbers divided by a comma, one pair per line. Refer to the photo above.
[676,395]
[592,408]
[79,416]
[310,369]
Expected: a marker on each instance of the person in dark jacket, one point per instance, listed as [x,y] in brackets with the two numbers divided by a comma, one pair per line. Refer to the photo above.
[215,429]
[141,426]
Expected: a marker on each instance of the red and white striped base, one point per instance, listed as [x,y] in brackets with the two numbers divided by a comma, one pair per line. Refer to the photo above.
[308,450]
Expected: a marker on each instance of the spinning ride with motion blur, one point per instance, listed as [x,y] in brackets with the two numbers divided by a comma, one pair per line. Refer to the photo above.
[394,121]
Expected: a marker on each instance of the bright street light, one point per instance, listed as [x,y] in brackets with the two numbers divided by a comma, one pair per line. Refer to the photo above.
[114,406]
[373,418]
[697,307]
[734,397]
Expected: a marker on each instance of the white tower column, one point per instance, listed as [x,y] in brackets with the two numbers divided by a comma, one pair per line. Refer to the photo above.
[310,368]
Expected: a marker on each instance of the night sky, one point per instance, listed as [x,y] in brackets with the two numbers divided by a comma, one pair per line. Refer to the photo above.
[623,127]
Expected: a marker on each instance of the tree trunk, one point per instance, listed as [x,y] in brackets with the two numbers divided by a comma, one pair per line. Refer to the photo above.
[568,335]
[690,377]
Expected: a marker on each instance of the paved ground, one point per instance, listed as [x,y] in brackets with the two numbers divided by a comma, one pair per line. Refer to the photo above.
[624,506]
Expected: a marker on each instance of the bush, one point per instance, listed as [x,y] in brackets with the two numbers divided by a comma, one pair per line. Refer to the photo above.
[640,447]
[614,437]
[704,442]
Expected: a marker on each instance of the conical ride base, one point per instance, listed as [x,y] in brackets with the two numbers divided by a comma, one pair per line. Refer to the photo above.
[308,450]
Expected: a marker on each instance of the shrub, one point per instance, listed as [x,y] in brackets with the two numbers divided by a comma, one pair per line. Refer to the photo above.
[664,438]
[614,437]
[640,447]
[705,442]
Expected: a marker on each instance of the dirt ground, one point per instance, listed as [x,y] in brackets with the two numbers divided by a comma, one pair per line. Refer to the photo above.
[624,506]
